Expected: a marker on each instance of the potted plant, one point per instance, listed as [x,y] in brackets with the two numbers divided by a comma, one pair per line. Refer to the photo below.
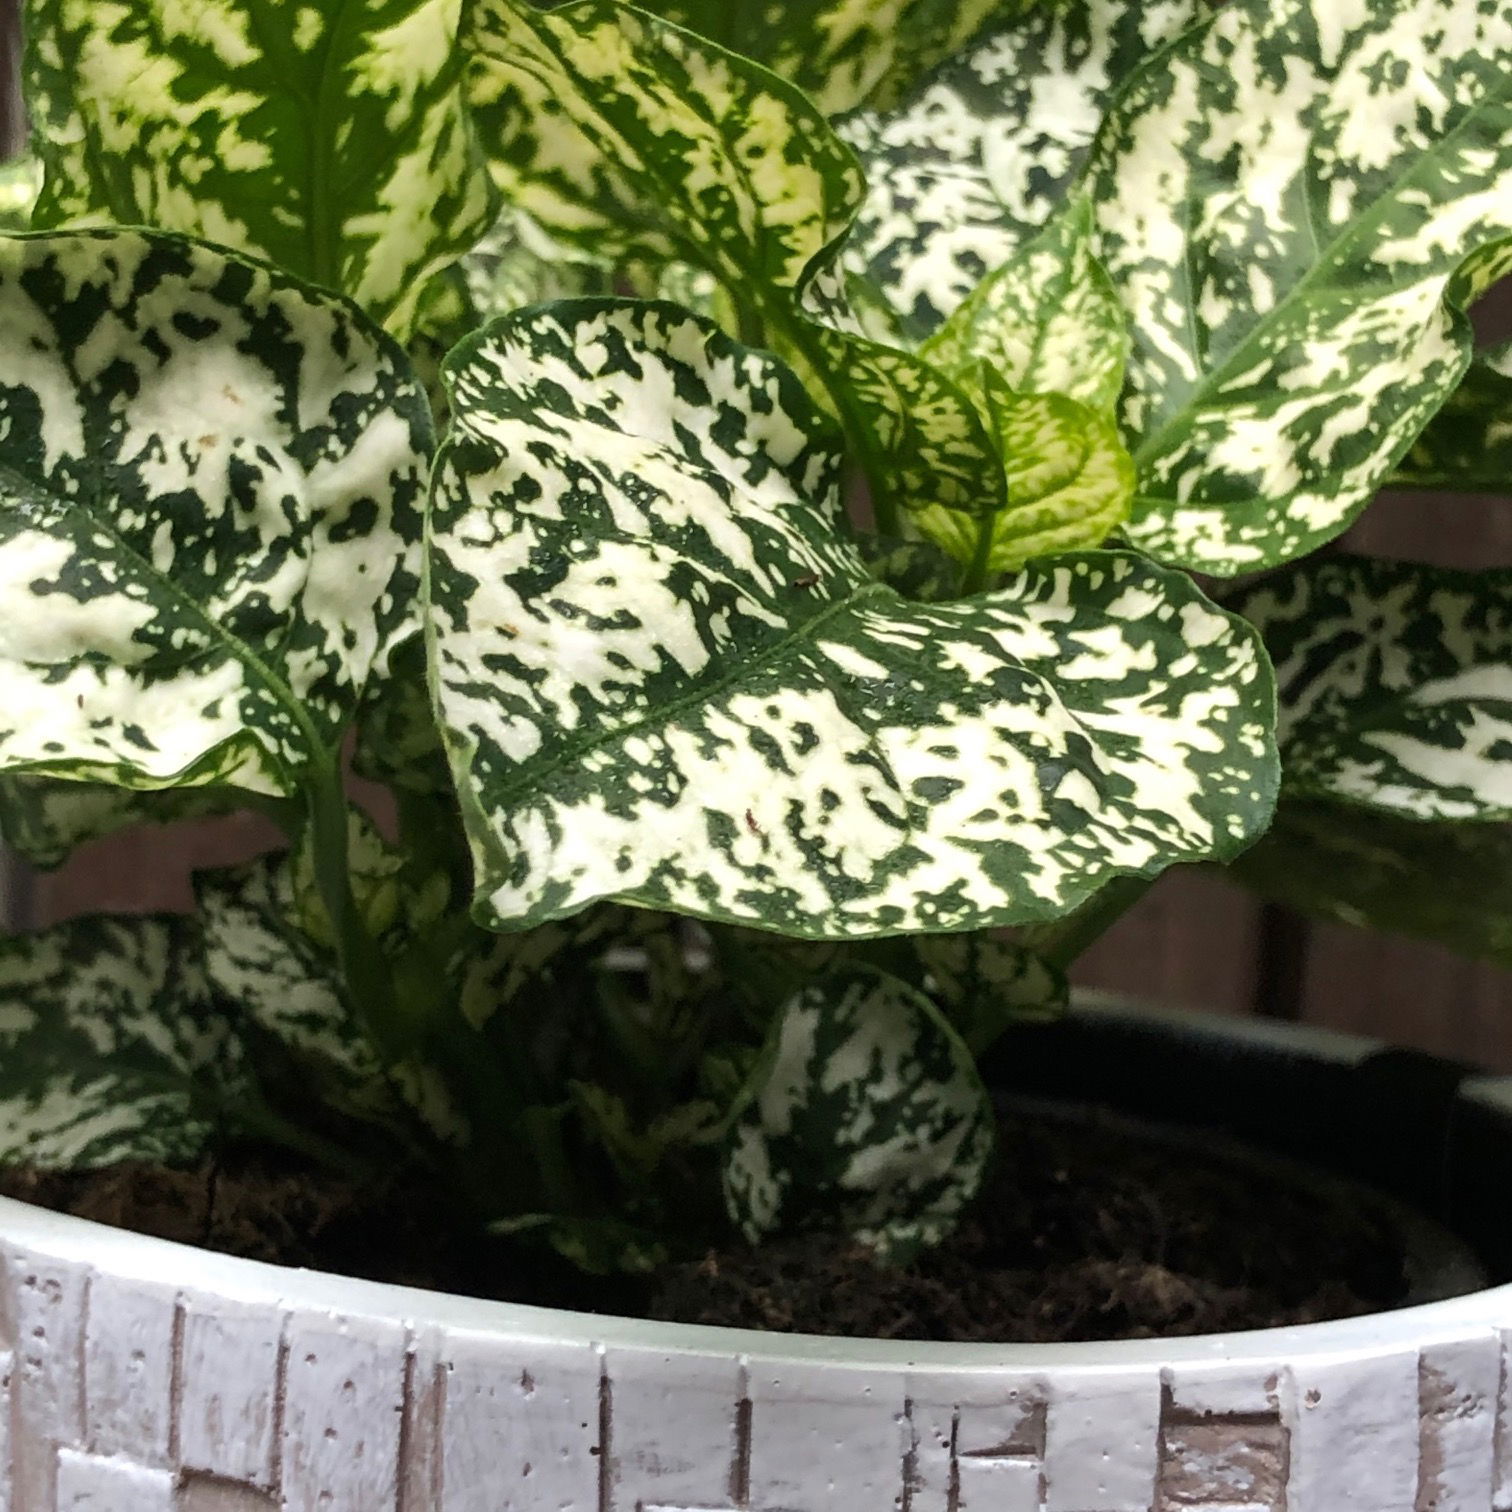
[737,483]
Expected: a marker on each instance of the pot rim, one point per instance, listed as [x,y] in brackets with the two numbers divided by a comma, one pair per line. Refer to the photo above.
[138,1257]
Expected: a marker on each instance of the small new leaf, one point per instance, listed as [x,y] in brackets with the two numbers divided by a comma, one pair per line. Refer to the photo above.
[665,673]
[986,984]
[865,1115]
[332,139]
[1295,201]
[212,478]
[1070,482]
[109,1047]
[1395,684]
[1047,322]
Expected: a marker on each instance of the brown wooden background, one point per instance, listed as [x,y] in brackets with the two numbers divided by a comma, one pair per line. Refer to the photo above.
[1196,940]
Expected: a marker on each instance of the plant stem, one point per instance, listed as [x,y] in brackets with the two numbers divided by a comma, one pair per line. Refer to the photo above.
[370,987]
[1060,942]
[978,572]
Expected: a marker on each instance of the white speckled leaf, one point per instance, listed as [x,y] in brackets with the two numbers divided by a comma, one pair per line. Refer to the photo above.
[985,984]
[258,955]
[1444,882]
[332,139]
[212,479]
[1070,482]
[866,1115]
[665,673]
[109,1047]
[842,54]
[621,131]
[1287,199]
[975,160]
[1468,444]
[1047,322]
[1395,684]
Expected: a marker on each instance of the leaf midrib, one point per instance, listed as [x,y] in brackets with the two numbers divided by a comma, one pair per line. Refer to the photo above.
[282,693]
[1245,355]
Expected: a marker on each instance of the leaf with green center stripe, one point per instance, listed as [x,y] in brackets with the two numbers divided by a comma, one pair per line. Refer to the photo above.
[1395,684]
[1047,322]
[1468,444]
[866,1114]
[622,132]
[665,674]
[110,1049]
[212,477]
[1294,202]
[842,55]
[334,140]
[1443,882]
[1069,482]
[972,163]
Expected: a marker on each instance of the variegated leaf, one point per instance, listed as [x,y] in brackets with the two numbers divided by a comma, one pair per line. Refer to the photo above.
[334,140]
[622,132]
[1444,882]
[44,819]
[20,183]
[1468,444]
[109,1047]
[212,477]
[866,1115]
[841,54]
[265,951]
[966,169]
[398,742]
[1070,483]
[258,956]
[1047,322]
[986,984]
[665,673]
[1289,201]
[921,435]
[1395,684]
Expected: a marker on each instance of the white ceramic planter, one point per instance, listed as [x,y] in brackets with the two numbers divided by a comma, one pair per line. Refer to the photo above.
[140,1376]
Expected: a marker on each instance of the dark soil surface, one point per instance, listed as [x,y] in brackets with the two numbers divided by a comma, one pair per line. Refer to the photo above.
[1084,1233]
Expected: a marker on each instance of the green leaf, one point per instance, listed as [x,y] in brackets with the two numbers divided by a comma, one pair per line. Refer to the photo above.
[1443,882]
[398,742]
[1070,482]
[109,1047]
[1395,684]
[1294,202]
[625,134]
[665,673]
[842,55]
[866,1115]
[986,984]
[971,164]
[1047,322]
[212,480]
[1468,444]
[20,183]
[333,140]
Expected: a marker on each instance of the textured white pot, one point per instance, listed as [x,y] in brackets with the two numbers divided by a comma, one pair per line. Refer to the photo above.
[140,1376]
